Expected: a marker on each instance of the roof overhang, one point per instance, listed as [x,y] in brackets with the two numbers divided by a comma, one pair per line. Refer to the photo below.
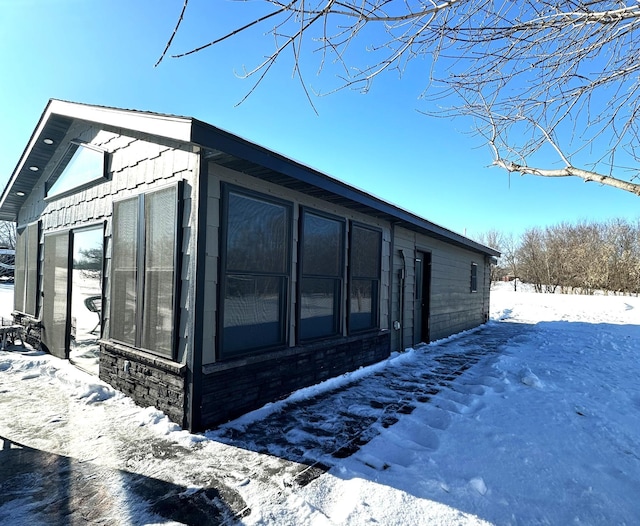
[52,128]
[220,147]
[241,155]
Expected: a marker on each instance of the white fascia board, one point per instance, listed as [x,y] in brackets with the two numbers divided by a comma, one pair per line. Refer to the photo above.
[168,126]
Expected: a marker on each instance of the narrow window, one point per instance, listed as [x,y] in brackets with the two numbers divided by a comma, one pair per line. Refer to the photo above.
[364,272]
[124,273]
[256,242]
[26,269]
[474,277]
[81,166]
[320,287]
[144,273]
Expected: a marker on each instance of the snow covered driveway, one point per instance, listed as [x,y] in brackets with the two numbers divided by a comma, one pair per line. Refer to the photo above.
[531,420]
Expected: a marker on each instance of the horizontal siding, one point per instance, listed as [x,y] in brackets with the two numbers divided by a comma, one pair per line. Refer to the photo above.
[219,175]
[453,307]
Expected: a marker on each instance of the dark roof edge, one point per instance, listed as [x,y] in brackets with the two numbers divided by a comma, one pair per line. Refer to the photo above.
[24,155]
[150,123]
[209,136]
[190,130]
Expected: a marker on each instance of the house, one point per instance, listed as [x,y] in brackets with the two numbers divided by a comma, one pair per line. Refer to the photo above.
[206,275]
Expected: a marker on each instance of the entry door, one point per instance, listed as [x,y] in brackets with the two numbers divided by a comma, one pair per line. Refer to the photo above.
[86,298]
[55,290]
[422,297]
[72,296]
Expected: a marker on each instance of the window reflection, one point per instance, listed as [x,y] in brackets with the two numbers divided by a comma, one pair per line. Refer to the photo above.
[321,283]
[86,299]
[82,165]
[365,253]
[255,273]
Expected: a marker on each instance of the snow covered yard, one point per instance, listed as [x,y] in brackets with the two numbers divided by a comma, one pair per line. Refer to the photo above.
[543,430]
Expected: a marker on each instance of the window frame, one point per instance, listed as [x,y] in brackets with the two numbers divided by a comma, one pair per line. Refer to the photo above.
[27,238]
[57,172]
[141,268]
[284,309]
[338,317]
[375,310]
[474,277]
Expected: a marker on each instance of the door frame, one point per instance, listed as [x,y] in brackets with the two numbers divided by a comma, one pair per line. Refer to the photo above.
[422,312]
[68,234]
[49,293]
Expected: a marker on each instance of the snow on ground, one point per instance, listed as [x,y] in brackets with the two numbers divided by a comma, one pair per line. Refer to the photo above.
[544,431]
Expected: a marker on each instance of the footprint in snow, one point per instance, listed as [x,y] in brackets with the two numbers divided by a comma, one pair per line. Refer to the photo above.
[437,418]
[530,379]
[479,485]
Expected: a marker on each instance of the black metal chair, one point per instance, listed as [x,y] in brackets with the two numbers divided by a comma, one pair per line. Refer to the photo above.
[94,304]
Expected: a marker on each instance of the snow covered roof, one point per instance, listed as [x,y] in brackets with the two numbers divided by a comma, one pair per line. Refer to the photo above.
[219,146]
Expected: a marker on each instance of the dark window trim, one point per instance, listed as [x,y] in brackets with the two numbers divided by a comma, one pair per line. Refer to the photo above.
[29,229]
[93,226]
[300,275]
[62,164]
[285,309]
[64,351]
[378,278]
[474,277]
[140,264]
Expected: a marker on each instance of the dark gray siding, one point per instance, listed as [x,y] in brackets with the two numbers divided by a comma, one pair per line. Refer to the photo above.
[136,164]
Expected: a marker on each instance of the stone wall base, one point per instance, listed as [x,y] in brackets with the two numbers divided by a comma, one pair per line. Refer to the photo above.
[149,380]
[232,388]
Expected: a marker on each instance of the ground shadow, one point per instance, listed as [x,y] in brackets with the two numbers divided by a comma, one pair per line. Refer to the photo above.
[45,488]
[318,431]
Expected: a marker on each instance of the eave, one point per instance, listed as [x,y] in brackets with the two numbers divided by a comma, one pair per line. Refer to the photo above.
[220,147]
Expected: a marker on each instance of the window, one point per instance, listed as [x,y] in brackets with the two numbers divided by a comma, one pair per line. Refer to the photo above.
[474,277]
[81,165]
[26,269]
[321,277]
[256,255]
[364,272]
[144,270]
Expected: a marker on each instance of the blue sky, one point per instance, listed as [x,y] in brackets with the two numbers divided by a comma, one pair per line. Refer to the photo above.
[104,52]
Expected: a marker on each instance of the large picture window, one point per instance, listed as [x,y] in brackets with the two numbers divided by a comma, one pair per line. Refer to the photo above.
[26,269]
[144,270]
[321,277]
[364,277]
[256,243]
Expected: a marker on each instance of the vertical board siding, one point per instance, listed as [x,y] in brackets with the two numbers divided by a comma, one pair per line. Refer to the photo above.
[211,270]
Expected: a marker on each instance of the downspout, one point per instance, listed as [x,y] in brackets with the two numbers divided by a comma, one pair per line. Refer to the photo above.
[391,291]
[194,358]
[486,289]
[402,280]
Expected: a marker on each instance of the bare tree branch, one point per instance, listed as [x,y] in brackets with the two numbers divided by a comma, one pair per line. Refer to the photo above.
[534,75]
[175,32]
[571,171]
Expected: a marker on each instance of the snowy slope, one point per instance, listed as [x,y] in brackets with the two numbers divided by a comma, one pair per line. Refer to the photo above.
[546,430]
